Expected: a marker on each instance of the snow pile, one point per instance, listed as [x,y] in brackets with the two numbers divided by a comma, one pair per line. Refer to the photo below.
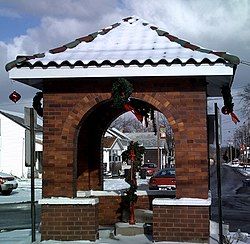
[22,193]
[120,184]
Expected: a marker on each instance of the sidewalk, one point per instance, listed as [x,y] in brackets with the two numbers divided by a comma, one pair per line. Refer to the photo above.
[24,237]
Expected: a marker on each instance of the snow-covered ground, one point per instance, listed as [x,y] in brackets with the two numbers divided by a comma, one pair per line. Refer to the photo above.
[24,237]
[22,193]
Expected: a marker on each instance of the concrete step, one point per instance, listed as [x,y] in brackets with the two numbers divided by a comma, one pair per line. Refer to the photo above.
[126,229]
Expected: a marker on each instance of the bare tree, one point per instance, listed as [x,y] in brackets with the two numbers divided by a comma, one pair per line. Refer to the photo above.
[246,101]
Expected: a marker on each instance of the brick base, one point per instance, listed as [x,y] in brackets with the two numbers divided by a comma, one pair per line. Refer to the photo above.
[113,213]
[181,223]
[67,222]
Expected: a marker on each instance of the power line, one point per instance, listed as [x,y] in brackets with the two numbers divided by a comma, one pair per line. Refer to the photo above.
[245,62]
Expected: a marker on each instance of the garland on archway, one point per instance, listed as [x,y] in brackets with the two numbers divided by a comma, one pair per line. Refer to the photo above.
[121,92]
[37,105]
[132,155]
[228,104]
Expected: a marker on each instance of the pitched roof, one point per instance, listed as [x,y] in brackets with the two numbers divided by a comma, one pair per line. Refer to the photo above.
[20,121]
[115,132]
[146,139]
[108,141]
[131,41]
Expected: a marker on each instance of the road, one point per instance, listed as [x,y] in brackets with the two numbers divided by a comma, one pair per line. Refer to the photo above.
[235,199]
[17,216]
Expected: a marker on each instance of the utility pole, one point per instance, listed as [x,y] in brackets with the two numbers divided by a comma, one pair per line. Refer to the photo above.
[218,172]
[158,141]
[30,122]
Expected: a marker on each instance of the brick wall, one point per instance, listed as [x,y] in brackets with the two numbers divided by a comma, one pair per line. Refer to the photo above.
[181,223]
[111,210]
[72,157]
[69,222]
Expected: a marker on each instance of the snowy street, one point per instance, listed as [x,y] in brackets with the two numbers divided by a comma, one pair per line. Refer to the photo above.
[22,193]
[234,211]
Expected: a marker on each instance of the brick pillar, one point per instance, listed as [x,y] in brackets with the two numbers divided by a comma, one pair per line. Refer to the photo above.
[68,219]
[185,219]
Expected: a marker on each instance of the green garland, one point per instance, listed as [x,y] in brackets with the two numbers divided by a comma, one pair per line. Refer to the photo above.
[228,100]
[130,195]
[121,91]
[139,151]
[37,105]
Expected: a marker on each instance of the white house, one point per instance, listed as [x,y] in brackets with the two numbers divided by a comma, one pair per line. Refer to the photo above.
[12,144]
[114,143]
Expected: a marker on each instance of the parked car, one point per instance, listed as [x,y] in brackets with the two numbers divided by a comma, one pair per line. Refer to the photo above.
[7,183]
[164,179]
[150,168]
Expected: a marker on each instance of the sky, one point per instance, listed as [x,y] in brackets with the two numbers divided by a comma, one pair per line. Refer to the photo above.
[28,27]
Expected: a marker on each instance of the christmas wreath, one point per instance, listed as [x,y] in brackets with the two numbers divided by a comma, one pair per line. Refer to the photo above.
[138,155]
[121,91]
[37,105]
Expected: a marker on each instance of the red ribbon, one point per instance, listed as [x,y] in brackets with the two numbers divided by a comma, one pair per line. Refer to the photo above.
[137,114]
[234,118]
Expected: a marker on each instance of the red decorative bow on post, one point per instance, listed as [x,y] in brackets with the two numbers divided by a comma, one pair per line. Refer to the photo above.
[228,104]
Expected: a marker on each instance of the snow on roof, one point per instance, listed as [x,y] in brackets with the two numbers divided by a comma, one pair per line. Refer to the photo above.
[130,48]
[19,119]
[146,139]
[131,41]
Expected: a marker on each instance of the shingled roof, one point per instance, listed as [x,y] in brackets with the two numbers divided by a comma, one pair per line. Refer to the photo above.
[130,48]
[108,142]
[131,41]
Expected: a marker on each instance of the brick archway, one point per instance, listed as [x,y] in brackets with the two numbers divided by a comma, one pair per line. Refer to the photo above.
[68,107]
[87,178]
[183,105]
[89,102]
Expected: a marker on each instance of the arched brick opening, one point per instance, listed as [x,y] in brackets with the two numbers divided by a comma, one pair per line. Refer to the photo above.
[179,100]
[91,128]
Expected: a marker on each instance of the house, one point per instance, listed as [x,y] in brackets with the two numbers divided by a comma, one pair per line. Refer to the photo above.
[155,149]
[12,145]
[114,143]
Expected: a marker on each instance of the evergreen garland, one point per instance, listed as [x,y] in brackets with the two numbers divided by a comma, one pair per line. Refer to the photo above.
[121,91]
[228,100]
[37,105]
[130,195]
[139,151]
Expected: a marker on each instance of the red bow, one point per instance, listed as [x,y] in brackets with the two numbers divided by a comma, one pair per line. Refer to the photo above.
[234,118]
[137,114]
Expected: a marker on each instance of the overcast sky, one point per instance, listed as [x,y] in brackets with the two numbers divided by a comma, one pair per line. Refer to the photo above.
[28,26]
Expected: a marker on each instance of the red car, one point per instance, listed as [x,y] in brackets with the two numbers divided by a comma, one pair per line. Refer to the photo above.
[164,179]
[150,168]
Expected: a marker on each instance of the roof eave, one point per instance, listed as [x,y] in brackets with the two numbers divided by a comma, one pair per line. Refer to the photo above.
[217,74]
[26,73]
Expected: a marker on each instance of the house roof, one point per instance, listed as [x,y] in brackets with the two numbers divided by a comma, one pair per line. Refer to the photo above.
[131,47]
[108,142]
[20,121]
[113,131]
[146,139]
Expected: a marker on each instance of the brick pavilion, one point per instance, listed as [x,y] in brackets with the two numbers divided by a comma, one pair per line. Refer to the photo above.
[168,74]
